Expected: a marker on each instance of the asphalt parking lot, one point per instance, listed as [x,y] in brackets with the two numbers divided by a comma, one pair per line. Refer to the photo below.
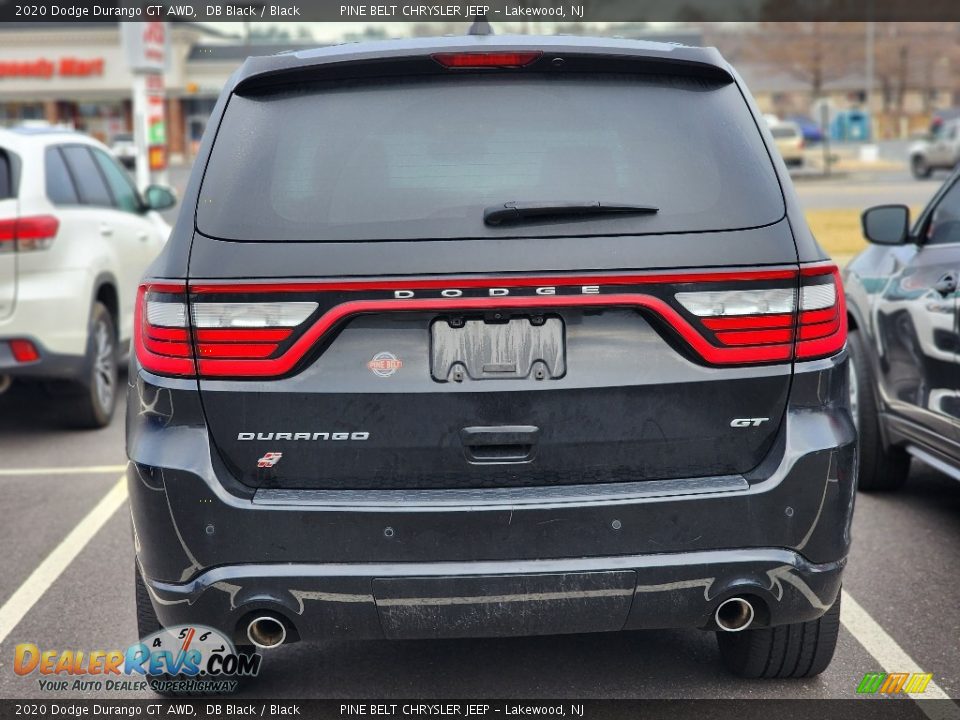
[67,582]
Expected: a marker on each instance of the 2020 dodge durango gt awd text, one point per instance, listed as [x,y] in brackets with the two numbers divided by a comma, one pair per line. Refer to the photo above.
[488,336]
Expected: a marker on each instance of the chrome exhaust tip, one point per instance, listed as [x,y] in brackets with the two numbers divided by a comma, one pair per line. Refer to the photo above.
[266,632]
[5,382]
[734,614]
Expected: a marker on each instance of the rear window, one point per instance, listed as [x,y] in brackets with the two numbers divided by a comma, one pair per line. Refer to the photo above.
[422,158]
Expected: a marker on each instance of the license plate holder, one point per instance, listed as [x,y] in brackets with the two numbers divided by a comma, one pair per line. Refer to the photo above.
[519,348]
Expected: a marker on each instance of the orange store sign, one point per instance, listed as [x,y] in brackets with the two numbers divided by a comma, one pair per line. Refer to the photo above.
[44,68]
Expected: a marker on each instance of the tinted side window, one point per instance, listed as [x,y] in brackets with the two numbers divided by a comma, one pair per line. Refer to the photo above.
[944,224]
[120,184]
[6,177]
[90,184]
[60,189]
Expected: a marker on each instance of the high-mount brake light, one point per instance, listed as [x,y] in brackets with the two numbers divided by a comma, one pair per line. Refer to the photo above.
[728,317]
[467,60]
[24,234]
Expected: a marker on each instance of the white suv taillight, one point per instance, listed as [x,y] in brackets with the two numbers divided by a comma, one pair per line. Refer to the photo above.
[36,232]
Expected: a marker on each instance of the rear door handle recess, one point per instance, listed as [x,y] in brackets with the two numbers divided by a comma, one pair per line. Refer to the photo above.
[106,230]
[500,443]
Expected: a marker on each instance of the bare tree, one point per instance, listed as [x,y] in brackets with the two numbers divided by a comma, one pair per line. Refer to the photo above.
[815,53]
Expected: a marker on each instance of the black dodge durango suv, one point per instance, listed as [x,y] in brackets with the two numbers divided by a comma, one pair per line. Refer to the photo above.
[489,336]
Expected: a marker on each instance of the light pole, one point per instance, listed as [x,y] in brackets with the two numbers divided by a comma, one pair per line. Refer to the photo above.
[868,91]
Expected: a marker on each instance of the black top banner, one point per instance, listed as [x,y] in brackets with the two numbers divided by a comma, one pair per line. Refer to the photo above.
[549,11]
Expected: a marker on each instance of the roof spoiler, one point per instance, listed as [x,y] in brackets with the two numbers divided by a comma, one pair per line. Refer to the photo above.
[272,72]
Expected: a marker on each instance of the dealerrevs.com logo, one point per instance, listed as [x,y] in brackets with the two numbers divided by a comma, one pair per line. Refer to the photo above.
[183,658]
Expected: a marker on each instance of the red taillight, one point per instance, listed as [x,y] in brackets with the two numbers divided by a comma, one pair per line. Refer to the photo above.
[161,333]
[822,325]
[24,351]
[486,59]
[258,330]
[174,337]
[35,232]
[805,320]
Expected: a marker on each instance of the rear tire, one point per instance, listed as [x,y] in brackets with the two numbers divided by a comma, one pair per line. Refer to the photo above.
[882,467]
[919,167]
[92,400]
[798,650]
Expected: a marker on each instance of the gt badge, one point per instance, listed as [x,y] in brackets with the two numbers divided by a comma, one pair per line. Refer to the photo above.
[747,422]
[269,460]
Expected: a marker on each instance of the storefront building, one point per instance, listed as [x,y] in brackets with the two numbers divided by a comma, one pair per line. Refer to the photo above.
[76,74]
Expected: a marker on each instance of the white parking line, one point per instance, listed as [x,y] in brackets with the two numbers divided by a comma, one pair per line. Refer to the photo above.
[893,658]
[88,470]
[40,580]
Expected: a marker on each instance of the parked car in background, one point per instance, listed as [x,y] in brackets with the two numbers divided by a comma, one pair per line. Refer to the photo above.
[789,141]
[902,302]
[810,128]
[125,149]
[75,237]
[583,372]
[938,150]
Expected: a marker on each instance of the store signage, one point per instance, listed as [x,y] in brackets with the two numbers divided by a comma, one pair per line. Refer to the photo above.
[146,45]
[46,69]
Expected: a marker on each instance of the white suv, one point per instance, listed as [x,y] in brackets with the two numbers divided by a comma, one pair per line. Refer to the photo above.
[75,237]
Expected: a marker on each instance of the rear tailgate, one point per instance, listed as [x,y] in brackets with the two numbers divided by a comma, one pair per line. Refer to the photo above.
[388,338]
[9,210]
[481,391]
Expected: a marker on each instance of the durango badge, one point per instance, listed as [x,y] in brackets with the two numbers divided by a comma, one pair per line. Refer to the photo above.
[384,364]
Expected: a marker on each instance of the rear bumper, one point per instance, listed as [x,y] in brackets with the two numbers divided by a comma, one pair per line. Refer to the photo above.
[515,561]
[442,600]
[53,308]
[49,365]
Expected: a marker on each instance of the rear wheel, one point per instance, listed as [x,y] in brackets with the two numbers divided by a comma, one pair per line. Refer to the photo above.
[798,650]
[882,467]
[92,400]
[919,167]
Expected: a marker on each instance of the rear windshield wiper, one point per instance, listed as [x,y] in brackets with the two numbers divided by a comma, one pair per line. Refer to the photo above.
[520,212]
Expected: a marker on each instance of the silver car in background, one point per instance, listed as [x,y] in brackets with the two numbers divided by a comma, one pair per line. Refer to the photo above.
[938,150]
